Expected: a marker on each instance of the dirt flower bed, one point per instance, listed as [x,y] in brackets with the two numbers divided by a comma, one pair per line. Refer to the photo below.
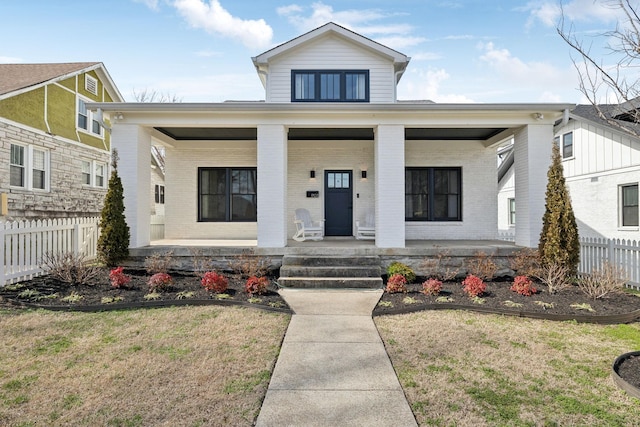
[498,295]
[182,288]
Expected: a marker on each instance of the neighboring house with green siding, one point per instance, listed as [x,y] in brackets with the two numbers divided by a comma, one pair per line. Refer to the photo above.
[54,153]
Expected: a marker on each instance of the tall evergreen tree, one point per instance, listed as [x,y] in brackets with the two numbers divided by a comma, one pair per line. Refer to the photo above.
[559,241]
[113,244]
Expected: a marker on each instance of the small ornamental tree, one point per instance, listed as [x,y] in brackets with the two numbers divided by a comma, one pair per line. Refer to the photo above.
[113,244]
[559,242]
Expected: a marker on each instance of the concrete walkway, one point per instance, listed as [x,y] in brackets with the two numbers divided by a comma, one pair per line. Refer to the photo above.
[333,369]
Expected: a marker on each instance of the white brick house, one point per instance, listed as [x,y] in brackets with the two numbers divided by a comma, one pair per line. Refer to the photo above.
[332,137]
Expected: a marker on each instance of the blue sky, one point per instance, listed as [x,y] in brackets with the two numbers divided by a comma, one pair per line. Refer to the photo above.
[200,50]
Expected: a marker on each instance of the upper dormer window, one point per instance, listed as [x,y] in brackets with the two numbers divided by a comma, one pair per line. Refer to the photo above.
[330,86]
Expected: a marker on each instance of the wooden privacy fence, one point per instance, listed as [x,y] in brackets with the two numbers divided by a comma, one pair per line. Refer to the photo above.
[624,254]
[23,243]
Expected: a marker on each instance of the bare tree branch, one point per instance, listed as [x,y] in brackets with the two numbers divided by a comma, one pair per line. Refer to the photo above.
[599,81]
[146,95]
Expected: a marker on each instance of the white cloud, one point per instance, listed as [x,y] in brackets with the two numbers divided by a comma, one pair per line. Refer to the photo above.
[532,76]
[425,85]
[214,19]
[549,12]
[207,53]
[151,4]
[363,21]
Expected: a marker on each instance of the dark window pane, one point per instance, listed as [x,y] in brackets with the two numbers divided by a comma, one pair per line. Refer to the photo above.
[329,86]
[17,155]
[38,179]
[567,145]
[212,208]
[17,176]
[630,205]
[95,127]
[304,86]
[243,208]
[355,86]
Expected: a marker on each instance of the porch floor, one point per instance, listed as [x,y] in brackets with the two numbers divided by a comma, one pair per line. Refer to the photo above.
[337,245]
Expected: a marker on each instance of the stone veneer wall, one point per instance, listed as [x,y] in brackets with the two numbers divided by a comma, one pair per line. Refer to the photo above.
[67,197]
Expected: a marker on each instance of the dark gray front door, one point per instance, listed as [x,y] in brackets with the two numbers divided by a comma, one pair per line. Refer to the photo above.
[338,203]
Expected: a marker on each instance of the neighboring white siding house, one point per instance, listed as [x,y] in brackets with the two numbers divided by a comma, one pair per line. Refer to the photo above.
[331,137]
[602,169]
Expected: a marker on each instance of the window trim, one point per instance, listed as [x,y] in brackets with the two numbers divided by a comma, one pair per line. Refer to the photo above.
[28,168]
[318,89]
[228,194]
[431,194]
[93,175]
[159,194]
[511,218]
[90,117]
[563,146]
[621,205]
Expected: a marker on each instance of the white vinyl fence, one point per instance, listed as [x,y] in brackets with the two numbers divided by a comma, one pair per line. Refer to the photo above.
[594,251]
[622,253]
[23,243]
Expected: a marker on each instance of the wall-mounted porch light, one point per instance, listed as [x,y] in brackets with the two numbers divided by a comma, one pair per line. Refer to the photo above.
[312,174]
[363,174]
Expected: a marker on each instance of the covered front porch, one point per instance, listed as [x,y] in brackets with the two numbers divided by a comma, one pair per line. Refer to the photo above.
[454,253]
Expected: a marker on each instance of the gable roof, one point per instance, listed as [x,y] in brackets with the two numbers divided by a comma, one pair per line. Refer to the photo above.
[23,77]
[400,60]
[588,112]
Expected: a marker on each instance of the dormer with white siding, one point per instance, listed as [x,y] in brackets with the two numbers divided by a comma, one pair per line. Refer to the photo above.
[331,64]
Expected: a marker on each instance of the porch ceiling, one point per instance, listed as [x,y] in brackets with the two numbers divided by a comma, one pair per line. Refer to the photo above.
[313,134]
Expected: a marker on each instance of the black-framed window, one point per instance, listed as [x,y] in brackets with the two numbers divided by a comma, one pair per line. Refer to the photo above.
[433,194]
[227,194]
[330,86]
[567,145]
[629,205]
[159,190]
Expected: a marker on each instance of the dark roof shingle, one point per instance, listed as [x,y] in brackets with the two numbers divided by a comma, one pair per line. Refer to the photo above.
[19,76]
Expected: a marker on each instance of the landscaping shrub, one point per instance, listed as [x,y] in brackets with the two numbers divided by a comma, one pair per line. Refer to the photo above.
[159,263]
[69,268]
[555,275]
[159,282]
[118,278]
[482,266]
[113,243]
[474,286]
[439,267]
[402,269]
[215,282]
[248,265]
[525,262]
[524,286]
[256,285]
[602,282]
[431,287]
[396,284]
[559,237]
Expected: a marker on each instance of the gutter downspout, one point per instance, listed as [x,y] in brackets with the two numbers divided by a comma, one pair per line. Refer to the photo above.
[563,122]
[395,85]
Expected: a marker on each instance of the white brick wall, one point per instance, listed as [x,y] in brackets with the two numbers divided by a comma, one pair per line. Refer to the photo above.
[305,156]
[596,204]
[508,191]
[479,188]
[181,196]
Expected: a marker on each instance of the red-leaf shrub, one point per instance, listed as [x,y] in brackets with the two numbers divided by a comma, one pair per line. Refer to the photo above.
[432,287]
[159,282]
[256,285]
[396,283]
[524,286]
[118,278]
[474,286]
[215,282]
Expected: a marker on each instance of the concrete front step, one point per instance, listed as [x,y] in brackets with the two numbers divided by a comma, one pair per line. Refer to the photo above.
[331,282]
[331,261]
[324,271]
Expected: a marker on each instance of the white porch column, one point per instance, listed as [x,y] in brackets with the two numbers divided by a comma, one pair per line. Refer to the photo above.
[272,186]
[134,167]
[532,151]
[389,178]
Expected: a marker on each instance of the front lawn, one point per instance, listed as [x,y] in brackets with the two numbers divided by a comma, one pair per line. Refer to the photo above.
[186,366]
[465,369]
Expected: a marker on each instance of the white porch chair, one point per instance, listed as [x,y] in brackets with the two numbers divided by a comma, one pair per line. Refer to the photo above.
[306,228]
[366,230]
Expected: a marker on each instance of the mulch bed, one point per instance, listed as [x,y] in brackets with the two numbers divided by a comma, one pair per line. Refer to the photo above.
[629,370]
[570,303]
[185,289]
